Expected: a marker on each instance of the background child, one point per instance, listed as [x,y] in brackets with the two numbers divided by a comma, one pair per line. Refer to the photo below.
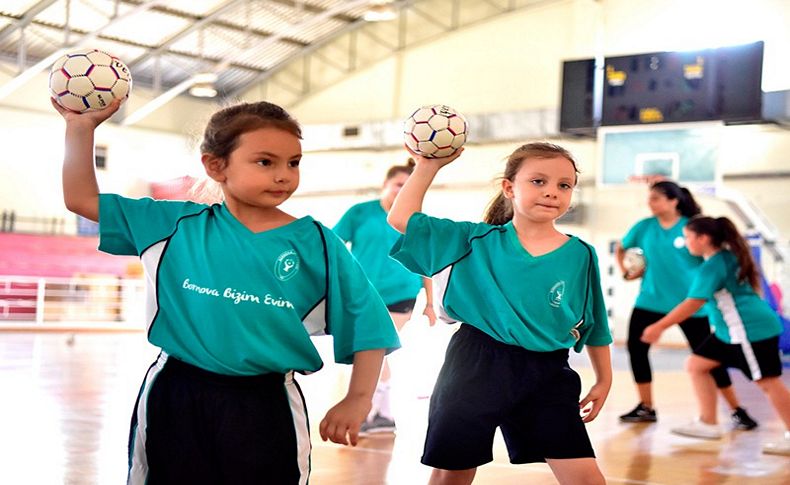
[364,227]
[525,293]
[665,281]
[236,291]
[746,330]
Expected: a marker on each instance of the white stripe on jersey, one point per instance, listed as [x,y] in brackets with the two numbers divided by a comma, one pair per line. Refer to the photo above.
[299,413]
[315,321]
[138,473]
[439,282]
[150,259]
[726,304]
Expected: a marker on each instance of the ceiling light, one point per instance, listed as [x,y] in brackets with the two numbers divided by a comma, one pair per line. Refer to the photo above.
[203,90]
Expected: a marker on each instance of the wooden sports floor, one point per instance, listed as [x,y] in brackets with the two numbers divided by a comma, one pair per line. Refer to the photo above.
[67,398]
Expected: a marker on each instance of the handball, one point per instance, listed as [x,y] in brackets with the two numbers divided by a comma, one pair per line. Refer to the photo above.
[634,260]
[88,80]
[435,131]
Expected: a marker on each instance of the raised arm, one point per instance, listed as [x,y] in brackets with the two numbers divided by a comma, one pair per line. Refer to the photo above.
[80,188]
[409,199]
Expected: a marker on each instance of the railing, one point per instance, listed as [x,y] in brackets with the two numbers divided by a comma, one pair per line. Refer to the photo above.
[91,301]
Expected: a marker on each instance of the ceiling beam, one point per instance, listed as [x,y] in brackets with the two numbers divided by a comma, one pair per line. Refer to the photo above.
[26,19]
[15,83]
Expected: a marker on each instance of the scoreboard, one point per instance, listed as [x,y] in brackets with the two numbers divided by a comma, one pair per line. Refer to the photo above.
[659,87]
[663,87]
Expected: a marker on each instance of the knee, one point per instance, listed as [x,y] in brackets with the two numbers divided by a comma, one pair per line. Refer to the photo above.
[695,365]
[452,477]
[589,478]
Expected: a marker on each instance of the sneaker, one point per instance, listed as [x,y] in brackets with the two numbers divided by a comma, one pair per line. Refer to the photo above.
[640,414]
[377,424]
[781,447]
[698,429]
[742,420]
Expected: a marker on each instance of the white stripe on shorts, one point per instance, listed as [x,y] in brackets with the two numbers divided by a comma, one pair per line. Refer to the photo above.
[299,413]
[138,472]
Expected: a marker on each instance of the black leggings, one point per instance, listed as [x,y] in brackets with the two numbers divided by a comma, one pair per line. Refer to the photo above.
[696,330]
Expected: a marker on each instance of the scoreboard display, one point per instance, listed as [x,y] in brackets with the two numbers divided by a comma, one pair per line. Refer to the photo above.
[659,87]
[667,87]
[663,87]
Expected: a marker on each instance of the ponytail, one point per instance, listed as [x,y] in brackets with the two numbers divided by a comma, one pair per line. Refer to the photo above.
[687,205]
[723,233]
[499,211]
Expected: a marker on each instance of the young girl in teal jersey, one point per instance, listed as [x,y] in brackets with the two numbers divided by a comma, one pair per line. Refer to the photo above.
[665,280]
[525,293]
[364,227]
[235,291]
[746,329]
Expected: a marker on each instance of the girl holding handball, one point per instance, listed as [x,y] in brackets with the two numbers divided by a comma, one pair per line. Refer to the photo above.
[746,330]
[525,293]
[236,289]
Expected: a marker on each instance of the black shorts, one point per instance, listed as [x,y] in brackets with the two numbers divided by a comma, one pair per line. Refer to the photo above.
[755,359]
[403,306]
[533,397]
[194,426]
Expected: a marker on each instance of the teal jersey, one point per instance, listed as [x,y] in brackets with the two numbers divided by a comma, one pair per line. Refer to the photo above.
[234,302]
[483,276]
[736,311]
[364,226]
[669,268]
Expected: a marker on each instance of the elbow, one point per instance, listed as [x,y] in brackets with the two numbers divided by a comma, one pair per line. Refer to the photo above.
[397,223]
[81,208]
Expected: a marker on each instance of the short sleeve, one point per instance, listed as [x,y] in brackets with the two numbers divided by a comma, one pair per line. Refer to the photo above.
[130,226]
[710,277]
[430,244]
[634,235]
[356,315]
[599,334]
[345,226]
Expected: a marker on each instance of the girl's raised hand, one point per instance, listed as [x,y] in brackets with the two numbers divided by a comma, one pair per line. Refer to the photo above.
[438,162]
[95,118]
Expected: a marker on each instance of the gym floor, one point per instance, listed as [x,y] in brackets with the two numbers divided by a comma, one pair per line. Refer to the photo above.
[67,400]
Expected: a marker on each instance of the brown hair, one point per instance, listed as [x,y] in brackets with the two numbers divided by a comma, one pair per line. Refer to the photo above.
[687,205]
[723,233]
[500,209]
[407,168]
[225,126]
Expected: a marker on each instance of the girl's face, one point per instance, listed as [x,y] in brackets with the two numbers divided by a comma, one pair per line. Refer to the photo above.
[263,170]
[660,204]
[542,188]
[697,244]
[393,185]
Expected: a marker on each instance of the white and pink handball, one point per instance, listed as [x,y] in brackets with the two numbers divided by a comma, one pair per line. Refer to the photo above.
[435,131]
[88,80]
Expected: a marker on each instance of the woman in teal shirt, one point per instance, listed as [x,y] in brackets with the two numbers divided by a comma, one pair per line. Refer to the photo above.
[364,228]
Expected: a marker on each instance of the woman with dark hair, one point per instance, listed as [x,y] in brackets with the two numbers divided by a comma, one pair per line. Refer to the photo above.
[666,277]
[746,330]
[364,228]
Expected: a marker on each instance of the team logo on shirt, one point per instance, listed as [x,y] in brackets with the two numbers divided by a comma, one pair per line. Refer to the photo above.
[287,265]
[556,293]
[679,242]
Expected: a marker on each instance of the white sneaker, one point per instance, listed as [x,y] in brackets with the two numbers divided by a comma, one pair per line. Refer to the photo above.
[698,429]
[780,447]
